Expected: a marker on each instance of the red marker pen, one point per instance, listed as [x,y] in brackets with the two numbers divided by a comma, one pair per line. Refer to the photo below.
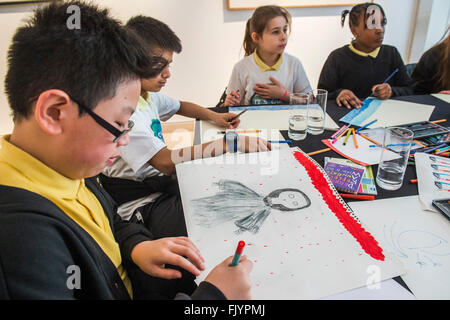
[238,253]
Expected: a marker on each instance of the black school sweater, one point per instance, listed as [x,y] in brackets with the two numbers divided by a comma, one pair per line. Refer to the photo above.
[39,243]
[345,69]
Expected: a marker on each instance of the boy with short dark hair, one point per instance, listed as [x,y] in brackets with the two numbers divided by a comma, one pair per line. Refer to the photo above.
[60,236]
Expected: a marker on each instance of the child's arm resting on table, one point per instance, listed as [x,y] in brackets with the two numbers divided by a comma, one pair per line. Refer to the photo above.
[166,159]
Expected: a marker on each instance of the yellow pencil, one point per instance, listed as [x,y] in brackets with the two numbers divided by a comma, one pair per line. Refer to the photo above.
[354,138]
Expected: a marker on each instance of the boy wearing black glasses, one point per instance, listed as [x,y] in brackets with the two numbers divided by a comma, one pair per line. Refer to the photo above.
[60,236]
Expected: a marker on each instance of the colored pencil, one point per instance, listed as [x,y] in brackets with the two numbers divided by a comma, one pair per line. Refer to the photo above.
[318,151]
[339,131]
[354,138]
[392,74]
[346,138]
[239,114]
[356,196]
[367,138]
[366,125]
[439,151]
[279,141]
[342,133]
[242,131]
[392,145]
[439,121]
[437,147]
[419,143]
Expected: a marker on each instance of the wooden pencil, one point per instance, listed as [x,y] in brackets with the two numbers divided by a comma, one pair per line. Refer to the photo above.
[439,121]
[318,151]
[354,138]
[367,138]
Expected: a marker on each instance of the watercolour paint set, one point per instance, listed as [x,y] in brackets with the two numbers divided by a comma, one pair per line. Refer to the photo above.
[425,129]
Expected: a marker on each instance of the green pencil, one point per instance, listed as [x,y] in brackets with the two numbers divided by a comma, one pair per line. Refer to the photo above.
[346,138]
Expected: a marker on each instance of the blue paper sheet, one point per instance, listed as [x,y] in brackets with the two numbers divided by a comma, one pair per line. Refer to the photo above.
[359,116]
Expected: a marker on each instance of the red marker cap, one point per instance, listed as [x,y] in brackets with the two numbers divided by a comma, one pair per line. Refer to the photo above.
[240,247]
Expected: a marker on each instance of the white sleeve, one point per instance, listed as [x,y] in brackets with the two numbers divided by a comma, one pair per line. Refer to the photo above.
[236,83]
[143,144]
[167,106]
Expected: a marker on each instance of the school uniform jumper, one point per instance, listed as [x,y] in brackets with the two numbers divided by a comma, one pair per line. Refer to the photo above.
[288,70]
[49,250]
[346,68]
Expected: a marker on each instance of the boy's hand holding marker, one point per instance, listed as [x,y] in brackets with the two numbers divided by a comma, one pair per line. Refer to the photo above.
[234,282]
[237,271]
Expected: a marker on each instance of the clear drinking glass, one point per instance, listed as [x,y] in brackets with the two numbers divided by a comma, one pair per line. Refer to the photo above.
[317,109]
[298,115]
[391,172]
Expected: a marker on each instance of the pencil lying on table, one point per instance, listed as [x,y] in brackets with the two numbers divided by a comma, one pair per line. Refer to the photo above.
[346,138]
[354,138]
[318,151]
[367,138]
[356,196]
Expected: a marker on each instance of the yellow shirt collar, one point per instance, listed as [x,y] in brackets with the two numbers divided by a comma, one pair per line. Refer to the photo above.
[34,171]
[21,170]
[144,102]
[264,67]
[372,54]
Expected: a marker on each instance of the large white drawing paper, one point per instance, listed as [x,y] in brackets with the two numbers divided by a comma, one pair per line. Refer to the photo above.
[420,239]
[303,240]
[433,177]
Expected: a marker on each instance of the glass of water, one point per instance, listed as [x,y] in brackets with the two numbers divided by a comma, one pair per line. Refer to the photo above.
[298,115]
[317,109]
[391,172]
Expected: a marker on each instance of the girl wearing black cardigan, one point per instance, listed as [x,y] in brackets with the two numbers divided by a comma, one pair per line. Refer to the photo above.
[353,72]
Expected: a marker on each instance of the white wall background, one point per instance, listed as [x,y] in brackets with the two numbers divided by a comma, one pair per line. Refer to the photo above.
[212,40]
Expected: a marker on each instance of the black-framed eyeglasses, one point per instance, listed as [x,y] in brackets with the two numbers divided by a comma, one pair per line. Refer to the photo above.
[105,124]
